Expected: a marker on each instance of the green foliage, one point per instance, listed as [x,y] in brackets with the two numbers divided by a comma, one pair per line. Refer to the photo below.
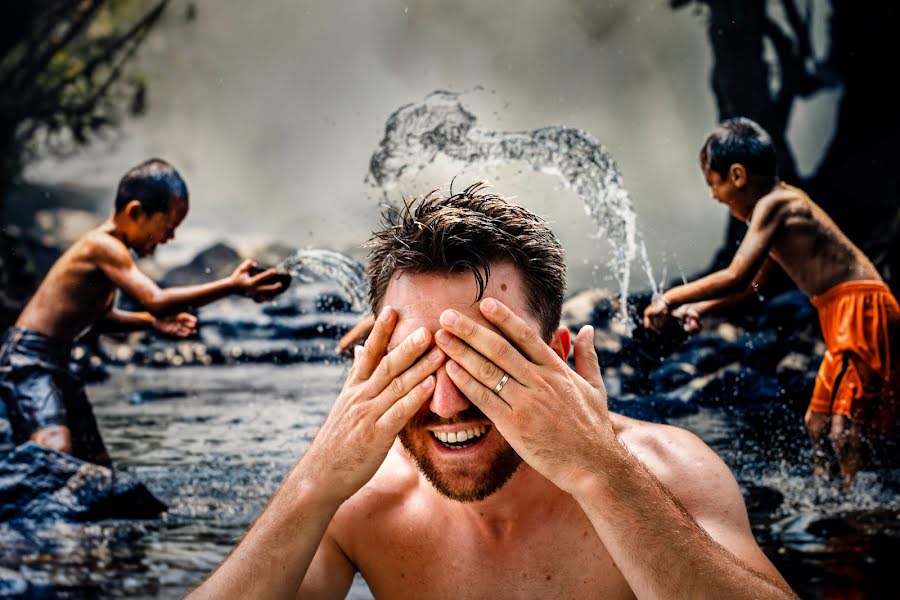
[61,72]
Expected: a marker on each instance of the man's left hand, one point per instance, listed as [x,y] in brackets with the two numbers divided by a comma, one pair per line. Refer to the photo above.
[556,419]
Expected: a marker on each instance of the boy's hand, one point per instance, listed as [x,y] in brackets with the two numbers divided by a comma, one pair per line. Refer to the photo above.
[656,315]
[259,285]
[180,325]
[689,318]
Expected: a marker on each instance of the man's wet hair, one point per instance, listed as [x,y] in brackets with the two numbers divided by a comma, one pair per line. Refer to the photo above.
[468,231]
[740,140]
[154,183]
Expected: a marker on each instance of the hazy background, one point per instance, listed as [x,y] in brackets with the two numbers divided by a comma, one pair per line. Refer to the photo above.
[272,109]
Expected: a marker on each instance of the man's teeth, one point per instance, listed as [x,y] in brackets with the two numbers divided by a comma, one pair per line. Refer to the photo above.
[456,437]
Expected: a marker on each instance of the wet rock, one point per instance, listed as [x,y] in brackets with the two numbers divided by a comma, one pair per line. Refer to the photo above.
[671,375]
[12,585]
[760,350]
[216,262]
[38,483]
[6,440]
[733,384]
[788,311]
[653,408]
[761,500]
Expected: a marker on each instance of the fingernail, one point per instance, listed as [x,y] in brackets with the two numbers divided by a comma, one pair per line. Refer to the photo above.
[428,383]
[419,336]
[489,304]
[449,318]
[357,350]
[435,355]
[443,337]
[385,314]
[452,367]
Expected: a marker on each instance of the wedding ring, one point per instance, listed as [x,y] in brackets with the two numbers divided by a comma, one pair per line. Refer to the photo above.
[501,383]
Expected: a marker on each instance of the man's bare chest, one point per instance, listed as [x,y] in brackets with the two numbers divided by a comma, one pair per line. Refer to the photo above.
[440,560]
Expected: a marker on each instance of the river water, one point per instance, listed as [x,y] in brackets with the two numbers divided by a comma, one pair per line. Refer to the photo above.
[213,442]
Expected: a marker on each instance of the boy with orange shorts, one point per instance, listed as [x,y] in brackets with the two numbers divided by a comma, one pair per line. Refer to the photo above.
[854,401]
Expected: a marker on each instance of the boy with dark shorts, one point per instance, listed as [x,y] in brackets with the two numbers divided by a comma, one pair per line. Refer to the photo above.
[45,402]
[854,402]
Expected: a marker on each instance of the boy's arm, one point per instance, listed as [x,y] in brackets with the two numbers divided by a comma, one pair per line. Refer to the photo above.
[748,260]
[113,257]
[754,288]
[116,320]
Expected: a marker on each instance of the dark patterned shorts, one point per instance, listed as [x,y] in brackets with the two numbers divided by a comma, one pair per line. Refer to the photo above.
[39,391]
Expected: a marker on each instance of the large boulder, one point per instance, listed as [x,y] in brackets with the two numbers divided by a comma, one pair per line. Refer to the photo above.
[216,262]
[38,483]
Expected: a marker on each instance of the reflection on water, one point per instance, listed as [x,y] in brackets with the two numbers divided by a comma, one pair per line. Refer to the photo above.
[215,442]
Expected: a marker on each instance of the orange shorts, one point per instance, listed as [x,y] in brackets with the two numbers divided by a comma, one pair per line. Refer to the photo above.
[860,320]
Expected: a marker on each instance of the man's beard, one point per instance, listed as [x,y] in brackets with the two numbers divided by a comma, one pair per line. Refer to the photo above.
[478,483]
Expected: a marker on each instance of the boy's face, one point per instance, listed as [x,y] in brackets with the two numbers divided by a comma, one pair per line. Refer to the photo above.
[722,189]
[158,228]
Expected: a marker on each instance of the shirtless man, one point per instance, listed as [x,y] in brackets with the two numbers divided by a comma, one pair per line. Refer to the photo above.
[854,401]
[510,478]
[45,402]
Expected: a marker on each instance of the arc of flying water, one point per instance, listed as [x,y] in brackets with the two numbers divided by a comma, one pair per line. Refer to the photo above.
[416,134]
[346,272]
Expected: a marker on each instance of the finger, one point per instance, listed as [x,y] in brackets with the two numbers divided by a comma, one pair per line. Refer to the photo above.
[399,360]
[246,265]
[516,330]
[586,363]
[374,348]
[400,412]
[489,344]
[493,406]
[479,367]
[262,276]
[269,289]
[400,385]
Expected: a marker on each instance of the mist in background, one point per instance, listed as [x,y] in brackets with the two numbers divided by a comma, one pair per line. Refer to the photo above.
[271,111]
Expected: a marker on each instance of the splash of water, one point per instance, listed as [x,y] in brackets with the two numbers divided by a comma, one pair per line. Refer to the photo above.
[347,273]
[416,134]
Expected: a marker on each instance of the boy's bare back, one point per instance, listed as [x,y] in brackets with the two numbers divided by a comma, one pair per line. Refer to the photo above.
[808,245]
[76,293]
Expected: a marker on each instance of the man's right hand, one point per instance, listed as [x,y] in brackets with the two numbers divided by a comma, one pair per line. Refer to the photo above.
[381,393]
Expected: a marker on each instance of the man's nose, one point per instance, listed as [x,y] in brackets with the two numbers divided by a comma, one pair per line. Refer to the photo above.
[447,400]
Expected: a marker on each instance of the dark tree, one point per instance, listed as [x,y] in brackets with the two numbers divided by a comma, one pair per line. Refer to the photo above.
[61,66]
[857,180]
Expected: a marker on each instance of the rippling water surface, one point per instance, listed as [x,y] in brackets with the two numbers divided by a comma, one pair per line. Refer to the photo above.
[215,442]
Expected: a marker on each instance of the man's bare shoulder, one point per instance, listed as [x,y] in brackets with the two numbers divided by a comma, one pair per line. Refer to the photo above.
[683,463]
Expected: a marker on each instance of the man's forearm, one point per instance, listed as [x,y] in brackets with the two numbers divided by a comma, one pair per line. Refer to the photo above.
[272,559]
[660,549]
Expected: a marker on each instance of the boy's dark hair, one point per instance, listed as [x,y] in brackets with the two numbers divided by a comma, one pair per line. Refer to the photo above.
[467,232]
[739,140]
[154,183]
